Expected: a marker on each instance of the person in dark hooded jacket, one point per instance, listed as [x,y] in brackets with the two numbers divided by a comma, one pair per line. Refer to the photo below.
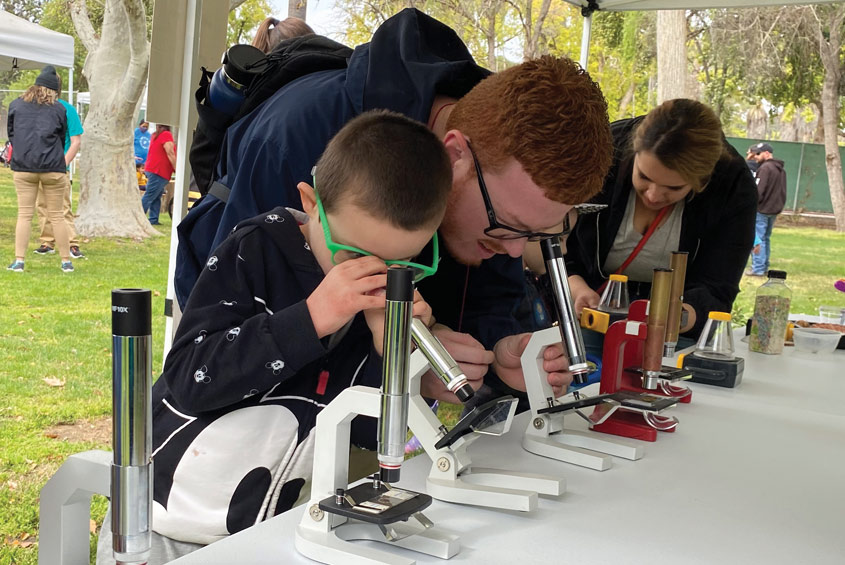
[526,144]
[771,197]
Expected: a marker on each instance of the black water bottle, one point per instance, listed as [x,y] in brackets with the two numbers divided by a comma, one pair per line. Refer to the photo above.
[241,64]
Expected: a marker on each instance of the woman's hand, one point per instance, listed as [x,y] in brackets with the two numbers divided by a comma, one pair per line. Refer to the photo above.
[582,295]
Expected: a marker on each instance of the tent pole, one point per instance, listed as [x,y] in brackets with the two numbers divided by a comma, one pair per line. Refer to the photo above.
[70,101]
[798,180]
[187,122]
[586,33]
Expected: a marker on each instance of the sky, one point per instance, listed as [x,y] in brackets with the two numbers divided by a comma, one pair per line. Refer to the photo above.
[320,15]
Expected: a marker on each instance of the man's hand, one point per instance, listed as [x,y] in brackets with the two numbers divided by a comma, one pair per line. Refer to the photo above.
[347,289]
[756,249]
[375,319]
[508,364]
[582,295]
[470,355]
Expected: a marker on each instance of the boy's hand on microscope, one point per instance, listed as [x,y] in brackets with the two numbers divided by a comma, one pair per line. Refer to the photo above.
[375,320]
[348,288]
[508,365]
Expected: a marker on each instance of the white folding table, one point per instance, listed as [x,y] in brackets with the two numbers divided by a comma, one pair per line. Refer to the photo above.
[754,474]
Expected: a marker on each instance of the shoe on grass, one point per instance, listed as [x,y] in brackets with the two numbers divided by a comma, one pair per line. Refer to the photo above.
[75,252]
[44,250]
[67,267]
[16,266]
[753,274]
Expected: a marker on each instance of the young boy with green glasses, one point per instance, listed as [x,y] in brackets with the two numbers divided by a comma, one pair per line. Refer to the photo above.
[287,313]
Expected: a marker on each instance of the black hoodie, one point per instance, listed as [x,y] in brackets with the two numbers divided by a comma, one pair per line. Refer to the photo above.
[235,408]
[411,59]
[771,187]
[717,229]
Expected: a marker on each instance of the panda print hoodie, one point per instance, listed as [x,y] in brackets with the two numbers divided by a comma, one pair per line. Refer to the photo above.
[235,407]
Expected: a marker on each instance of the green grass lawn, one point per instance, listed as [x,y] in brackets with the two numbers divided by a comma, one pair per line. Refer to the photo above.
[57,326]
[813,259]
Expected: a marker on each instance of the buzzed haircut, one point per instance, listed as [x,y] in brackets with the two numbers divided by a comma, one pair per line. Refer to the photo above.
[393,167]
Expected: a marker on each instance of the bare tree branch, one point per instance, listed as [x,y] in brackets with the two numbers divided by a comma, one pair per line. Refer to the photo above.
[538,24]
[82,23]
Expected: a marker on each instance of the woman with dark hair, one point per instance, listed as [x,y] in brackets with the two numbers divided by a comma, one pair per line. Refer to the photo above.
[161,162]
[271,32]
[36,126]
[675,178]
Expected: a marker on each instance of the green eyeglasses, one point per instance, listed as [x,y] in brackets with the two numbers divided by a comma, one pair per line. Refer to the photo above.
[341,253]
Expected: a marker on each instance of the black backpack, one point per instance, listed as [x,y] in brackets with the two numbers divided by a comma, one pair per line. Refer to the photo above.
[288,61]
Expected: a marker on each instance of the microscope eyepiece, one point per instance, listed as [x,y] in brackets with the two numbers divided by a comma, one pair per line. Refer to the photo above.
[441,362]
[464,393]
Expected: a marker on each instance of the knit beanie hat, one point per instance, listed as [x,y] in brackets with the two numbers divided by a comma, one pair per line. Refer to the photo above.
[48,78]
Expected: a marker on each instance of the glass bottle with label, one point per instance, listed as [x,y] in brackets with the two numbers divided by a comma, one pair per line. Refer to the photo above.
[771,313]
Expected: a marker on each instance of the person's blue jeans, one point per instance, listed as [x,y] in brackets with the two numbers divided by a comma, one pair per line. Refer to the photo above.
[152,196]
[763,226]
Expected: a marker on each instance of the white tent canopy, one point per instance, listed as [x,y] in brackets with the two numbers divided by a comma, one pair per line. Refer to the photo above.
[591,6]
[25,45]
[631,5]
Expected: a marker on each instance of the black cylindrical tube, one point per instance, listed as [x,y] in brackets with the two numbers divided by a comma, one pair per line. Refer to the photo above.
[570,330]
[131,473]
[393,416]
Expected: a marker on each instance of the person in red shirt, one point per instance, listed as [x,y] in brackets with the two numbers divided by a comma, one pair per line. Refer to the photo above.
[161,161]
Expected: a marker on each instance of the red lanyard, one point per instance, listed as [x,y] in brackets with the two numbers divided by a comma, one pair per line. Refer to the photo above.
[651,229]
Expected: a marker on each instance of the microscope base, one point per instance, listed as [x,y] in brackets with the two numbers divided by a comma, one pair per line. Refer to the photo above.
[554,447]
[494,488]
[65,507]
[586,440]
[629,424]
[335,548]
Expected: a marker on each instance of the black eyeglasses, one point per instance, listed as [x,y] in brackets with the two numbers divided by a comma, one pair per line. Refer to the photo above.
[498,230]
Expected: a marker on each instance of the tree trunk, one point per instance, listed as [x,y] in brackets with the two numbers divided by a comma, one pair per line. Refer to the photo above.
[490,34]
[627,100]
[756,123]
[297,8]
[116,70]
[829,49]
[533,29]
[671,54]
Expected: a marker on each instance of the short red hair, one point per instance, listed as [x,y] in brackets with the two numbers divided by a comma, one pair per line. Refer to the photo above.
[550,116]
